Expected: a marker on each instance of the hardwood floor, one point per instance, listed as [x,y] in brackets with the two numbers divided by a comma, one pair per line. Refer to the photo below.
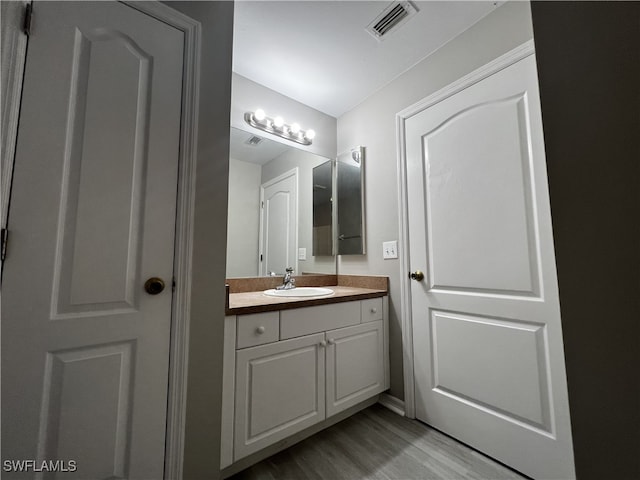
[378,444]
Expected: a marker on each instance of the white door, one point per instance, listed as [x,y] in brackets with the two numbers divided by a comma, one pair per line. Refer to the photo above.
[85,350]
[279,224]
[355,365]
[280,390]
[489,365]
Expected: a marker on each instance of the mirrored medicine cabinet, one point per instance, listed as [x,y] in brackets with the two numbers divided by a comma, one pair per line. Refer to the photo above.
[338,205]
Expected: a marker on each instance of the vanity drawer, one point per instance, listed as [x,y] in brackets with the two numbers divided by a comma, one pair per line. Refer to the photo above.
[304,321]
[257,329]
[371,309]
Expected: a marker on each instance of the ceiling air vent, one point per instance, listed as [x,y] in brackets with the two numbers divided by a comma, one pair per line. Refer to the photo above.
[253,140]
[390,19]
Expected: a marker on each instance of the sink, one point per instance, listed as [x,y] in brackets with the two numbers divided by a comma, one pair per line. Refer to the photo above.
[300,292]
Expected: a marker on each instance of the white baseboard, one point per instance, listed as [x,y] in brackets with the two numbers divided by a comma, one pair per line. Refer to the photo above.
[392,403]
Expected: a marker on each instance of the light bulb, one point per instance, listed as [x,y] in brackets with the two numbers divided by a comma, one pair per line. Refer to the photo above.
[295,128]
[310,135]
[278,122]
[259,115]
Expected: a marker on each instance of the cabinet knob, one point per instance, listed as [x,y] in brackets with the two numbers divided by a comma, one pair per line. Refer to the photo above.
[260,330]
[374,310]
[323,343]
[331,341]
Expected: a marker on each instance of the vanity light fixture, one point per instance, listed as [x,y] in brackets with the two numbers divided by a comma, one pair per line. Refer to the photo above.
[277,126]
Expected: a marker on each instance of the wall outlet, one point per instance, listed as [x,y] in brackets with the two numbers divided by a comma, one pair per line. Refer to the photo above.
[390,249]
[302,254]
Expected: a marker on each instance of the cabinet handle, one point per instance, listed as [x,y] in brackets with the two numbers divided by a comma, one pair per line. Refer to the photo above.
[331,341]
[323,343]
[374,310]
[260,330]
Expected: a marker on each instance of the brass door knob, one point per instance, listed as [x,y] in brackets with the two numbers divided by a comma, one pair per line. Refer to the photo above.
[154,286]
[418,276]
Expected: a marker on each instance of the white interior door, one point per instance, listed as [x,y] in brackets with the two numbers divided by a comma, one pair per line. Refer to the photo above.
[489,365]
[279,224]
[85,350]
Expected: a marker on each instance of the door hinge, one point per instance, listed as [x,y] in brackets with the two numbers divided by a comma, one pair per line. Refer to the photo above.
[173,284]
[28,15]
[260,257]
[261,204]
[4,239]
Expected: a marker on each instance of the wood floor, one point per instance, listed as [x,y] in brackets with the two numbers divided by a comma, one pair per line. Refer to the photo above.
[378,444]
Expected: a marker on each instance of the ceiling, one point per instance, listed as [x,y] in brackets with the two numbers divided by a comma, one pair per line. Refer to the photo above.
[319,53]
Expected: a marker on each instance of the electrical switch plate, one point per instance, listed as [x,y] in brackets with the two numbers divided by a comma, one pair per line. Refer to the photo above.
[302,254]
[390,249]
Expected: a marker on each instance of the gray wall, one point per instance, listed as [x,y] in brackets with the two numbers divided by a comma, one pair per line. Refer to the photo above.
[204,387]
[372,124]
[243,226]
[304,162]
[588,56]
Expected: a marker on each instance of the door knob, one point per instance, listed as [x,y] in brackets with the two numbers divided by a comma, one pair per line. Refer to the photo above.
[154,286]
[417,276]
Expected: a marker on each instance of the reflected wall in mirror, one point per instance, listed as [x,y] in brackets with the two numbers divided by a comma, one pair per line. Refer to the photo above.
[350,202]
[323,228]
[270,213]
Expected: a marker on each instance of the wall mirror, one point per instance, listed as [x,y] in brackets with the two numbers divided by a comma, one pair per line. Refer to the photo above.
[350,225]
[270,217]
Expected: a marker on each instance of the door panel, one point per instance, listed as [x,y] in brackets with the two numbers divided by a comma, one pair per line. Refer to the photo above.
[92,217]
[474,227]
[102,412]
[103,131]
[488,355]
[462,353]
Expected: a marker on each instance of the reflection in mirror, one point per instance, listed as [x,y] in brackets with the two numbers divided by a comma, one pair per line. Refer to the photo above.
[350,202]
[263,239]
[323,240]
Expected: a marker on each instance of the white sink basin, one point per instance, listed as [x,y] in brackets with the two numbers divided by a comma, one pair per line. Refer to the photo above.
[300,292]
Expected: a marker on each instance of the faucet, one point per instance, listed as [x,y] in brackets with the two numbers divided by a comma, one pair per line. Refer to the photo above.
[288,282]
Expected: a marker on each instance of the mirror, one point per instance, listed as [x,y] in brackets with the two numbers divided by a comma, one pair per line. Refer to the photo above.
[350,202]
[270,217]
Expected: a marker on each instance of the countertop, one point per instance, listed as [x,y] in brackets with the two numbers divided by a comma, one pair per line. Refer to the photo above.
[256,302]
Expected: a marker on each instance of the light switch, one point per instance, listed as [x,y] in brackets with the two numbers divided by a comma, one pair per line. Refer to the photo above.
[390,249]
[302,254]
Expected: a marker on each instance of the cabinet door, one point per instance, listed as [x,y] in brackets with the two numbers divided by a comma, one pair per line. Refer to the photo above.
[280,390]
[355,365]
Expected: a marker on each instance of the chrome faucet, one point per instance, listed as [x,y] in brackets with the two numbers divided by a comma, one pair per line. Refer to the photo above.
[288,282]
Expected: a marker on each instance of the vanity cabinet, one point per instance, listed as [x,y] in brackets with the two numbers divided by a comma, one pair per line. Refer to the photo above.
[326,359]
[354,365]
[280,390]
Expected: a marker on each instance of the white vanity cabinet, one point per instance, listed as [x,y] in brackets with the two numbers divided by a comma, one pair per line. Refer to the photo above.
[325,359]
[354,365]
[280,390]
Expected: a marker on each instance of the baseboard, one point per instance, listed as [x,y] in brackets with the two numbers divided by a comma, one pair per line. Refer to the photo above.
[392,403]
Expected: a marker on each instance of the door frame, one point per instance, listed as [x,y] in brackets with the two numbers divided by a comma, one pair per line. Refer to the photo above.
[293,172]
[500,63]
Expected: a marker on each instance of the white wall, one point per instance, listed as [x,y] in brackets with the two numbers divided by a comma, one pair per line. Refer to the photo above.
[243,224]
[372,124]
[305,163]
[247,96]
